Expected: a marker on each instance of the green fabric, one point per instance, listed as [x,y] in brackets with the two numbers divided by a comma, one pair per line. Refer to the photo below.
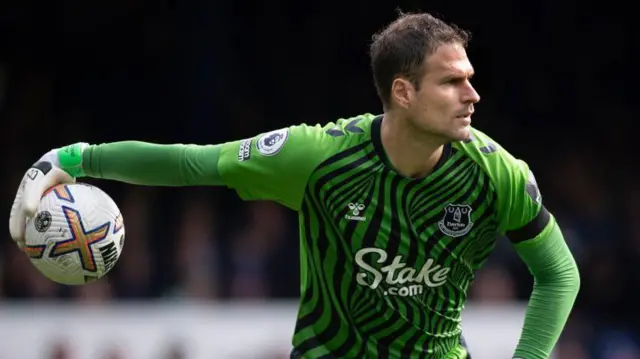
[150,164]
[556,285]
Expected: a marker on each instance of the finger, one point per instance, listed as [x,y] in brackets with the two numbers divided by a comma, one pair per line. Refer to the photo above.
[38,182]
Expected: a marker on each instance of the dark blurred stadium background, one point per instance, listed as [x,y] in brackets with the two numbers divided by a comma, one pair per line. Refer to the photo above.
[559,87]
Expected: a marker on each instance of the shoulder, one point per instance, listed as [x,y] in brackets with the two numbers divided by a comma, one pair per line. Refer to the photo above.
[496,161]
[307,142]
[519,199]
[351,129]
[321,138]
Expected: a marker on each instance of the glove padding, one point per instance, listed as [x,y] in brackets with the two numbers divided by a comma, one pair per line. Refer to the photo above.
[44,174]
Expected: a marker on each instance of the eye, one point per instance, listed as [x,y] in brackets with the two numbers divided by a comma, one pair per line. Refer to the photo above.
[457,80]
[454,80]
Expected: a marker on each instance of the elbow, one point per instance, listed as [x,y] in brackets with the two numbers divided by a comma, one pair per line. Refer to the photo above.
[564,278]
[571,276]
[576,277]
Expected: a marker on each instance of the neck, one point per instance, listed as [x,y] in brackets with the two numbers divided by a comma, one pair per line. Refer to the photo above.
[411,152]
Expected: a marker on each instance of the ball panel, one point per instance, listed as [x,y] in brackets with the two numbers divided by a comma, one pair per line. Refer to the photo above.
[76,235]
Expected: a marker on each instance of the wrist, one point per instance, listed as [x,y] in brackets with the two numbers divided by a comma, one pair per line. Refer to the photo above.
[70,158]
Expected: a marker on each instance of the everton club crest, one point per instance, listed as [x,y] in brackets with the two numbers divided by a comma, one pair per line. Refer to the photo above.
[456,221]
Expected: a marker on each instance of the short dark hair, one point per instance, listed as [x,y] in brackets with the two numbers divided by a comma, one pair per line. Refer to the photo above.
[399,50]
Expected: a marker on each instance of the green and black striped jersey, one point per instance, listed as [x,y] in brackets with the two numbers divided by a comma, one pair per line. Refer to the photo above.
[386,260]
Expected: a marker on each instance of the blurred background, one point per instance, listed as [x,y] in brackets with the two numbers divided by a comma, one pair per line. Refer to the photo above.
[557,80]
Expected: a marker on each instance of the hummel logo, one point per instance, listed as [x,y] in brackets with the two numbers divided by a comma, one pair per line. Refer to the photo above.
[356,208]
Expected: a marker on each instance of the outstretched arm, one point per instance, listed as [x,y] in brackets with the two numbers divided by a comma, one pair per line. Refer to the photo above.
[272,166]
[151,164]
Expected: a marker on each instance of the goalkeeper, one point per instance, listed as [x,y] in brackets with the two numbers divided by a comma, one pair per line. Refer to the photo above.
[397,211]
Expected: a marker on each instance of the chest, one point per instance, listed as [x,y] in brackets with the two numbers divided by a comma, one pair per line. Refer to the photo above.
[415,221]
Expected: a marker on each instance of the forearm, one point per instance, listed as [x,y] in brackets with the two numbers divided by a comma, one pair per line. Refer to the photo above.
[556,285]
[150,164]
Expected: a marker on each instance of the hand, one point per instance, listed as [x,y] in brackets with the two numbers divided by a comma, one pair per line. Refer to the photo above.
[44,174]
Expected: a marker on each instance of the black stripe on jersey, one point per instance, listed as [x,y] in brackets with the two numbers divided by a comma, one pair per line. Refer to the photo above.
[366,309]
[487,214]
[481,253]
[353,306]
[415,249]
[414,246]
[376,222]
[487,237]
[315,315]
[344,154]
[531,229]
[365,304]
[406,211]
[311,205]
[463,179]
[455,246]
[340,171]
[435,200]
[345,187]
[366,181]
[398,222]
[349,191]
[393,248]
[395,235]
[362,303]
[376,138]
[371,234]
[436,241]
[384,343]
[408,351]
[332,285]
[427,191]
[324,285]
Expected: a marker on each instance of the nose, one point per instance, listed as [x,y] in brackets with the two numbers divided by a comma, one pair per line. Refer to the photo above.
[471,95]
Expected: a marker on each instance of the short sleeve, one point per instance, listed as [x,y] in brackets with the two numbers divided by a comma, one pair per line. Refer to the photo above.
[275,165]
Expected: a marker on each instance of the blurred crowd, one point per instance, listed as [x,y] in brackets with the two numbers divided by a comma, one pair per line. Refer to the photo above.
[557,86]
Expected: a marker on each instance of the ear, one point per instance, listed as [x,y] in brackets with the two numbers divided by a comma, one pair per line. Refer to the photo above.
[402,92]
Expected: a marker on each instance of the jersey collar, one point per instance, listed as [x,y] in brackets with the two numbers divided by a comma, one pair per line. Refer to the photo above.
[376,138]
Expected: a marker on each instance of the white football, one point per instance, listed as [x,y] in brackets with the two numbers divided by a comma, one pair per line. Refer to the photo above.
[76,235]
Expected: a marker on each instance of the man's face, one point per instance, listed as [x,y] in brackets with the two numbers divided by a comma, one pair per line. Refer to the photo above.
[444,103]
